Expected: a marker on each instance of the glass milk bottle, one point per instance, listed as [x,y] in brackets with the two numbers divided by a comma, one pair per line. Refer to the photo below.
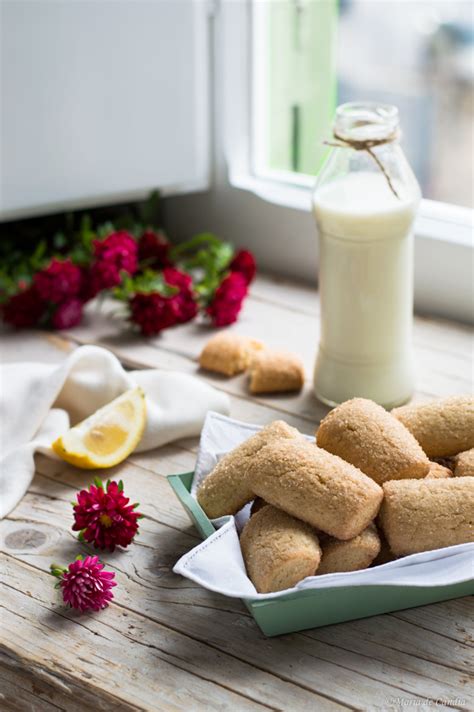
[365,202]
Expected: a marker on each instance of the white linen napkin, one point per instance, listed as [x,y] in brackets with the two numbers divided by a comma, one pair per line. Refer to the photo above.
[217,563]
[39,402]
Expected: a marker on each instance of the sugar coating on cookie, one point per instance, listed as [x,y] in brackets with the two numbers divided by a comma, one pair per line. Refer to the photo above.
[226,489]
[278,550]
[275,372]
[315,486]
[421,515]
[438,471]
[443,428]
[366,435]
[228,353]
[352,555]
[464,464]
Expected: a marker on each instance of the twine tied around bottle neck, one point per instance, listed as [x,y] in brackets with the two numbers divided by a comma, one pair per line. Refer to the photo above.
[367,145]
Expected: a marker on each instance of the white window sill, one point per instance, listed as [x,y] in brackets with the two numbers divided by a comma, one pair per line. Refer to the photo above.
[438,221]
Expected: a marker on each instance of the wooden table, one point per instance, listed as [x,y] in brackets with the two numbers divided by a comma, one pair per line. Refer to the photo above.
[166,644]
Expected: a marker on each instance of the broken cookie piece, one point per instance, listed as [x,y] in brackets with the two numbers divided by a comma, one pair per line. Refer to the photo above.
[438,471]
[275,372]
[464,464]
[228,353]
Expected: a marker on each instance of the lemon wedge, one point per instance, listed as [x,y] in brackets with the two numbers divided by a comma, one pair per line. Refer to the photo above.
[108,436]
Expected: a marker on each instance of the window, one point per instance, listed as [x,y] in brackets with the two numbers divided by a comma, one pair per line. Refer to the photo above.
[417,55]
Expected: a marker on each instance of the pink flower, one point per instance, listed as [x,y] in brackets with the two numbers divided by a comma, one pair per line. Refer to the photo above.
[84,584]
[117,253]
[228,298]
[67,314]
[24,309]
[244,262]
[154,248]
[58,281]
[104,517]
[153,312]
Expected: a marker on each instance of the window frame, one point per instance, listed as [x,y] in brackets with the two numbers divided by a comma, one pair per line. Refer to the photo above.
[437,219]
[270,213]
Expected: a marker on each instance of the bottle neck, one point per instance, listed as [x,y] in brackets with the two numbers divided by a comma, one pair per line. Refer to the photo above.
[361,124]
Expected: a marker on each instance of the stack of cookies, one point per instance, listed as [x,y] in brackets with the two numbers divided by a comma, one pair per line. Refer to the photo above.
[365,493]
[269,371]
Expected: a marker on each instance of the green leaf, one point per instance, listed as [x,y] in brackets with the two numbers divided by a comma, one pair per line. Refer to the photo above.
[120,486]
[149,211]
[203,238]
[37,258]
[98,483]
[105,229]
[57,570]
[146,283]
[59,241]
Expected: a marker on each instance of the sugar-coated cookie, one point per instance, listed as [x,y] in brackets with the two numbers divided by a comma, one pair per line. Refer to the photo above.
[464,464]
[443,428]
[366,435]
[438,471]
[228,353]
[226,489]
[278,550]
[275,372]
[421,515]
[352,555]
[315,486]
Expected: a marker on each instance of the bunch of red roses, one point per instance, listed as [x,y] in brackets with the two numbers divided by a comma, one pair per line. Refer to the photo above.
[162,286]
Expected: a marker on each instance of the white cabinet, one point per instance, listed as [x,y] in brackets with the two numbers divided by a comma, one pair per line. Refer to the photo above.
[101,101]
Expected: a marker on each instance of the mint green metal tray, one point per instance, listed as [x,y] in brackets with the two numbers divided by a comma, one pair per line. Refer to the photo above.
[313,609]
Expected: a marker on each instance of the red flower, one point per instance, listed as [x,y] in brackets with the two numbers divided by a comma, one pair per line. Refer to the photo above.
[244,262]
[227,301]
[185,307]
[85,585]
[104,517]
[102,275]
[116,254]
[175,278]
[67,314]
[154,247]
[153,312]
[24,309]
[184,303]
[59,280]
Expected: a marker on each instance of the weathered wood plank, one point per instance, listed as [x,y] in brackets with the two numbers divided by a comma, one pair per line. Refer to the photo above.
[34,346]
[200,626]
[188,647]
[443,351]
[150,642]
[36,689]
[449,619]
